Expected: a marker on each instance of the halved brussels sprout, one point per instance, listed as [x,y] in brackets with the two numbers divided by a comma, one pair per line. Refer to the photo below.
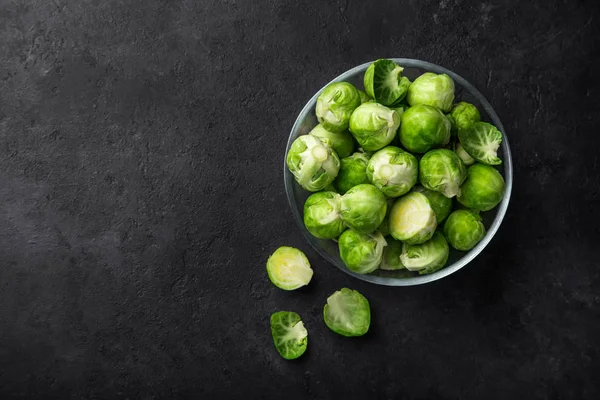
[483,189]
[335,104]
[361,252]
[441,170]
[424,128]
[364,97]
[442,205]
[463,155]
[463,116]
[374,126]
[393,171]
[341,142]
[464,229]
[288,268]
[347,313]
[289,334]
[391,255]
[314,164]
[384,82]
[322,215]
[363,208]
[482,141]
[353,171]
[412,219]
[426,257]
[432,90]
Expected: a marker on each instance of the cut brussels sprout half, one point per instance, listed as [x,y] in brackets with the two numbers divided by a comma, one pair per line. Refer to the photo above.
[424,128]
[289,334]
[384,82]
[442,170]
[463,155]
[483,189]
[341,142]
[427,257]
[335,104]
[374,125]
[393,171]
[314,164]
[412,219]
[347,313]
[391,255]
[432,90]
[463,116]
[363,208]
[361,252]
[364,97]
[288,268]
[464,229]
[442,205]
[322,215]
[353,171]
[482,141]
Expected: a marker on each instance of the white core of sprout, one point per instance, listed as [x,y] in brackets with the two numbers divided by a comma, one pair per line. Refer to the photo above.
[297,332]
[320,153]
[292,270]
[386,172]
[414,216]
[392,79]
[334,215]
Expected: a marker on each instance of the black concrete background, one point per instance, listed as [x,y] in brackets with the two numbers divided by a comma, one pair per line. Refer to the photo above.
[141,193]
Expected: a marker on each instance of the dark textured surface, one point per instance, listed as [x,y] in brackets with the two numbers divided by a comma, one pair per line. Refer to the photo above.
[141,192]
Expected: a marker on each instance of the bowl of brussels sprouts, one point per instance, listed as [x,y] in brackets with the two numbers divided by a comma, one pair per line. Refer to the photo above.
[398,172]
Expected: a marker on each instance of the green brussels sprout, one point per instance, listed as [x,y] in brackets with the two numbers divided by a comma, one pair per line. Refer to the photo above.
[432,90]
[347,313]
[483,189]
[289,334]
[341,142]
[353,171]
[412,219]
[391,256]
[335,104]
[463,155]
[374,126]
[400,110]
[364,97]
[463,116]
[322,215]
[288,268]
[424,128]
[363,208]
[384,82]
[482,142]
[442,205]
[442,170]
[426,257]
[384,227]
[393,171]
[464,229]
[314,164]
[361,252]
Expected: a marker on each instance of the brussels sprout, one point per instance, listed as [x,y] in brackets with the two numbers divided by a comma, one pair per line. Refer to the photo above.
[289,334]
[335,104]
[463,155]
[391,256]
[432,90]
[482,142]
[426,257]
[364,97]
[384,82]
[393,171]
[463,116]
[412,219]
[363,208]
[374,126]
[441,170]
[353,171]
[288,268]
[341,142]
[361,252]
[347,313]
[464,229]
[314,164]
[483,189]
[442,205]
[423,128]
[322,215]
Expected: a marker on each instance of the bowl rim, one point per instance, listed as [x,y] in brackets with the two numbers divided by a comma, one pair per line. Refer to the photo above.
[491,231]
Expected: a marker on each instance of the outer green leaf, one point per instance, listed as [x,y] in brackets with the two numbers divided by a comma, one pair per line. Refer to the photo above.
[347,313]
[289,334]
[482,142]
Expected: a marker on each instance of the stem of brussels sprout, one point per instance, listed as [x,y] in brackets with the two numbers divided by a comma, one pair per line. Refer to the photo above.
[320,153]
[386,172]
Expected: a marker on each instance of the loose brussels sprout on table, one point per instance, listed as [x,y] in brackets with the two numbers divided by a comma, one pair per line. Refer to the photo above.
[289,334]
[424,128]
[464,229]
[361,252]
[432,90]
[426,257]
[483,189]
[347,313]
[288,268]
[322,215]
[442,170]
[353,171]
[335,104]
[412,219]
[312,162]
[393,171]
[363,208]
[481,141]
[384,82]
[340,142]
[374,125]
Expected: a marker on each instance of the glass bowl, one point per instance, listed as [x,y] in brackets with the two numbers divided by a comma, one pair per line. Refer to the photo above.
[328,249]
